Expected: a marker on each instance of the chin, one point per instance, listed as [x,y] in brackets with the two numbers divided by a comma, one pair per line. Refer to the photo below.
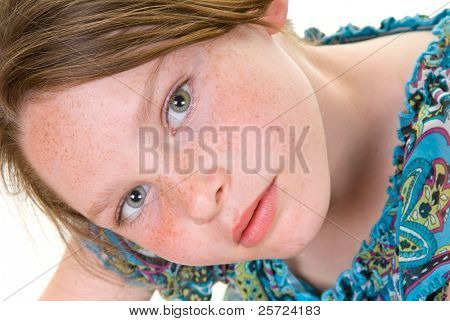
[290,250]
[292,238]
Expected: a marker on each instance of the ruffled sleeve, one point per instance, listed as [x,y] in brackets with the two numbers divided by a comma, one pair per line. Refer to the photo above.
[351,33]
[422,224]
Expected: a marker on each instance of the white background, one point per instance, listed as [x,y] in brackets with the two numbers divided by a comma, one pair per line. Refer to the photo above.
[29,245]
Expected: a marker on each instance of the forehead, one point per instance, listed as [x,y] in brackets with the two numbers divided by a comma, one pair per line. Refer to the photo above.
[73,135]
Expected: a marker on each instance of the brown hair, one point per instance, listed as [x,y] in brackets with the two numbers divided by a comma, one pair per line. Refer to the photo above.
[51,45]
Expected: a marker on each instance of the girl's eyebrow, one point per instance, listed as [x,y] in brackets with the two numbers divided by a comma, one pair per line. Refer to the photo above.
[103,203]
[142,114]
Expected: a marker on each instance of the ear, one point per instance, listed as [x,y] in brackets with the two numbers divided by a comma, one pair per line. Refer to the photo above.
[276,13]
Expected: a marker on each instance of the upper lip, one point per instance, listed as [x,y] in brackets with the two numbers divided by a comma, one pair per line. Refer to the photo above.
[246,216]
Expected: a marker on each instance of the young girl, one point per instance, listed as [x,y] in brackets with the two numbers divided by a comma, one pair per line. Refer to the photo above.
[81,80]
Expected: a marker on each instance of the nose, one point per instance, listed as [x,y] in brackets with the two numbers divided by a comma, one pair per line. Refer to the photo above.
[204,194]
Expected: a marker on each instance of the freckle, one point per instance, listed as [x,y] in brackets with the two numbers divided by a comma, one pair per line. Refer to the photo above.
[165,233]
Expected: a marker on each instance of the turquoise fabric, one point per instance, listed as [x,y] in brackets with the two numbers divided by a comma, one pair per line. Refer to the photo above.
[408,256]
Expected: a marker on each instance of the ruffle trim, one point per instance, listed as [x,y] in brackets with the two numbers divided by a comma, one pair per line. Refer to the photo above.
[173,281]
[434,60]
[358,283]
[351,33]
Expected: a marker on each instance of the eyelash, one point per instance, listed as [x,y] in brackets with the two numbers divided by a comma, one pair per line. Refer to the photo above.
[119,221]
[186,80]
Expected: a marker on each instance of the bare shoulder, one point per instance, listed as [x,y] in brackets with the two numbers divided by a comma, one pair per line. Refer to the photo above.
[399,53]
[72,282]
[387,63]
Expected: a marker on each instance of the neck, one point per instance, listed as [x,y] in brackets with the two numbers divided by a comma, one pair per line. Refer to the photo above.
[348,121]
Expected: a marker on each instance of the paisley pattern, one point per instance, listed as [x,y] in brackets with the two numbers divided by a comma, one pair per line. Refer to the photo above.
[423,225]
[408,255]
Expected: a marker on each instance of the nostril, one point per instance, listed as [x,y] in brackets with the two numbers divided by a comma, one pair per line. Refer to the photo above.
[219,195]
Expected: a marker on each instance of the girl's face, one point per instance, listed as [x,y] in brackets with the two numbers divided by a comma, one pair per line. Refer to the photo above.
[86,144]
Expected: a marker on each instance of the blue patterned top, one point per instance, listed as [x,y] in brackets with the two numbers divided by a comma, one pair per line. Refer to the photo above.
[408,256]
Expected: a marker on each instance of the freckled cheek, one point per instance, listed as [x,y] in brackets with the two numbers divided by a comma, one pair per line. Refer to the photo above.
[276,140]
[169,237]
[228,144]
[232,106]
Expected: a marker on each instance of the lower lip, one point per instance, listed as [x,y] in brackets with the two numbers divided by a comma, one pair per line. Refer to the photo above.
[262,219]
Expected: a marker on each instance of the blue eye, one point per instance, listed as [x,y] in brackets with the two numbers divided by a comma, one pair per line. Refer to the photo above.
[179,105]
[132,205]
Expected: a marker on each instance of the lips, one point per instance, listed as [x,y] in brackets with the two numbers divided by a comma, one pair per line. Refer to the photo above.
[245,217]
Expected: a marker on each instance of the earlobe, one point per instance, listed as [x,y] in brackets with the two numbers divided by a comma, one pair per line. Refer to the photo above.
[276,13]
